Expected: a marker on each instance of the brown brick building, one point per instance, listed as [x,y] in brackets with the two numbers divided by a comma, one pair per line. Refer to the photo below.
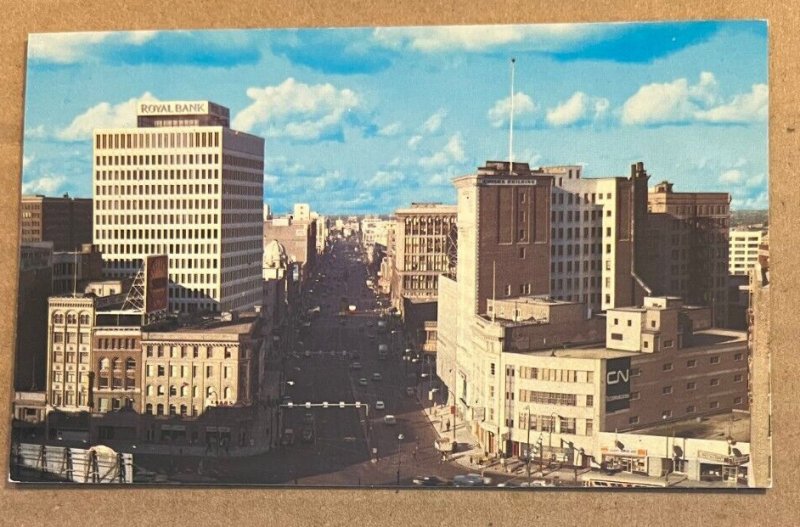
[65,221]
[685,250]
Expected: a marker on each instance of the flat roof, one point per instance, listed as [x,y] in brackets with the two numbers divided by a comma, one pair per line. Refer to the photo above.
[589,352]
[718,427]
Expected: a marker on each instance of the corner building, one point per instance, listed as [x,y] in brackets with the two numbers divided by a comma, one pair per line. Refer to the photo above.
[183,183]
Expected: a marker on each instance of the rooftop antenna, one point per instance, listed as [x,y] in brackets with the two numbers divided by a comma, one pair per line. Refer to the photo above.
[75,275]
[494,290]
[511,124]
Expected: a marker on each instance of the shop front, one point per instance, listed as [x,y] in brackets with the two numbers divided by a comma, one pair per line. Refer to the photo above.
[730,469]
[632,461]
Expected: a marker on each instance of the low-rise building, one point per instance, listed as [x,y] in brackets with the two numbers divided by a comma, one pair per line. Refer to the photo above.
[539,371]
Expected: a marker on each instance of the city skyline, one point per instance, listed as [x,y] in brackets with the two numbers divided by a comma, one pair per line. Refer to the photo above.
[377,118]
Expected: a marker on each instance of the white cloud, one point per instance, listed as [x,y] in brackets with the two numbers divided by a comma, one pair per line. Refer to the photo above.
[68,48]
[452,152]
[661,103]
[579,108]
[679,102]
[27,160]
[103,115]
[731,177]
[390,130]
[37,132]
[414,142]
[524,110]
[385,179]
[297,110]
[743,108]
[47,185]
[434,122]
[541,38]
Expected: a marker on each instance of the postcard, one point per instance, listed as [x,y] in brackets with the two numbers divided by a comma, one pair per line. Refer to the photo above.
[453,256]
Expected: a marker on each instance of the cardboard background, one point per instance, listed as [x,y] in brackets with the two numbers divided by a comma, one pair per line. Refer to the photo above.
[238,506]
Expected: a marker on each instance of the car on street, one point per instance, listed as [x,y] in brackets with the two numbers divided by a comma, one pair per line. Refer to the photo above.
[287,438]
[470,480]
[410,391]
[362,381]
[307,353]
[355,366]
[308,435]
[377,376]
[379,405]
[389,419]
[430,481]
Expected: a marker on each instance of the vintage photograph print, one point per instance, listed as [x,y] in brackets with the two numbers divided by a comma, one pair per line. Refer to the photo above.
[465,256]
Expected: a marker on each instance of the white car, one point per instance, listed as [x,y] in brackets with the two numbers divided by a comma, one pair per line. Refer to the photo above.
[389,420]
[379,405]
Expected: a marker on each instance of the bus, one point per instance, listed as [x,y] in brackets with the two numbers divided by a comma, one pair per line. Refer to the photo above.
[622,480]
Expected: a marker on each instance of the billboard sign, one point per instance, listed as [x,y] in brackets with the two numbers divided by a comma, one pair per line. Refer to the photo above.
[156,280]
[618,384]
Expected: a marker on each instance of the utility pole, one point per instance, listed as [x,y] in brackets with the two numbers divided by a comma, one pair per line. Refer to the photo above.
[528,445]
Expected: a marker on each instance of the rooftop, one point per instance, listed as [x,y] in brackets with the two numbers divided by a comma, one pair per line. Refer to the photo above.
[735,424]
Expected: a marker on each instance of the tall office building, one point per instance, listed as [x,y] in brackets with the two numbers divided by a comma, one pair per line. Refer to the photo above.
[65,221]
[183,183]
[594,226]
[424,247]
[685,252]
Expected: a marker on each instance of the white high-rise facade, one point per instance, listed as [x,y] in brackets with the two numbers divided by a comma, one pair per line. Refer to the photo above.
[183,184]
[743,253]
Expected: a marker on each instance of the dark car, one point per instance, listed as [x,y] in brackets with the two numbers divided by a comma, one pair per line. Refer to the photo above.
[308,435]
[430,481]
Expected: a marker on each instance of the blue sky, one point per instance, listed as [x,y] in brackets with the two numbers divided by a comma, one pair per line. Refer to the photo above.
[366,120]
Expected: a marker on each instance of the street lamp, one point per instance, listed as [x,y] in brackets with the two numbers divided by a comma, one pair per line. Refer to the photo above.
[528,444]
[400,437]
[553,417]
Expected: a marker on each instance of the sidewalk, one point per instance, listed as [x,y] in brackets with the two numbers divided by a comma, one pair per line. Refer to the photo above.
[469,453]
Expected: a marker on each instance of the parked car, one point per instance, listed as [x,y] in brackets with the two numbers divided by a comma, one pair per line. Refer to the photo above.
[379,405]
[430,481]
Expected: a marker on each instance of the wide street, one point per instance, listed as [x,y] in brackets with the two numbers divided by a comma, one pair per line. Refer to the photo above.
[334,357]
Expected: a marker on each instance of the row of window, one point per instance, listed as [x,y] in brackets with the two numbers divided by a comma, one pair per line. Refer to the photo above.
[183,391]
[151,139]
[550,423]
[71,318]
[551,398]
[558,197]
[184,351]
[155,204]
[553,375]
[153,370]
[692,385]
